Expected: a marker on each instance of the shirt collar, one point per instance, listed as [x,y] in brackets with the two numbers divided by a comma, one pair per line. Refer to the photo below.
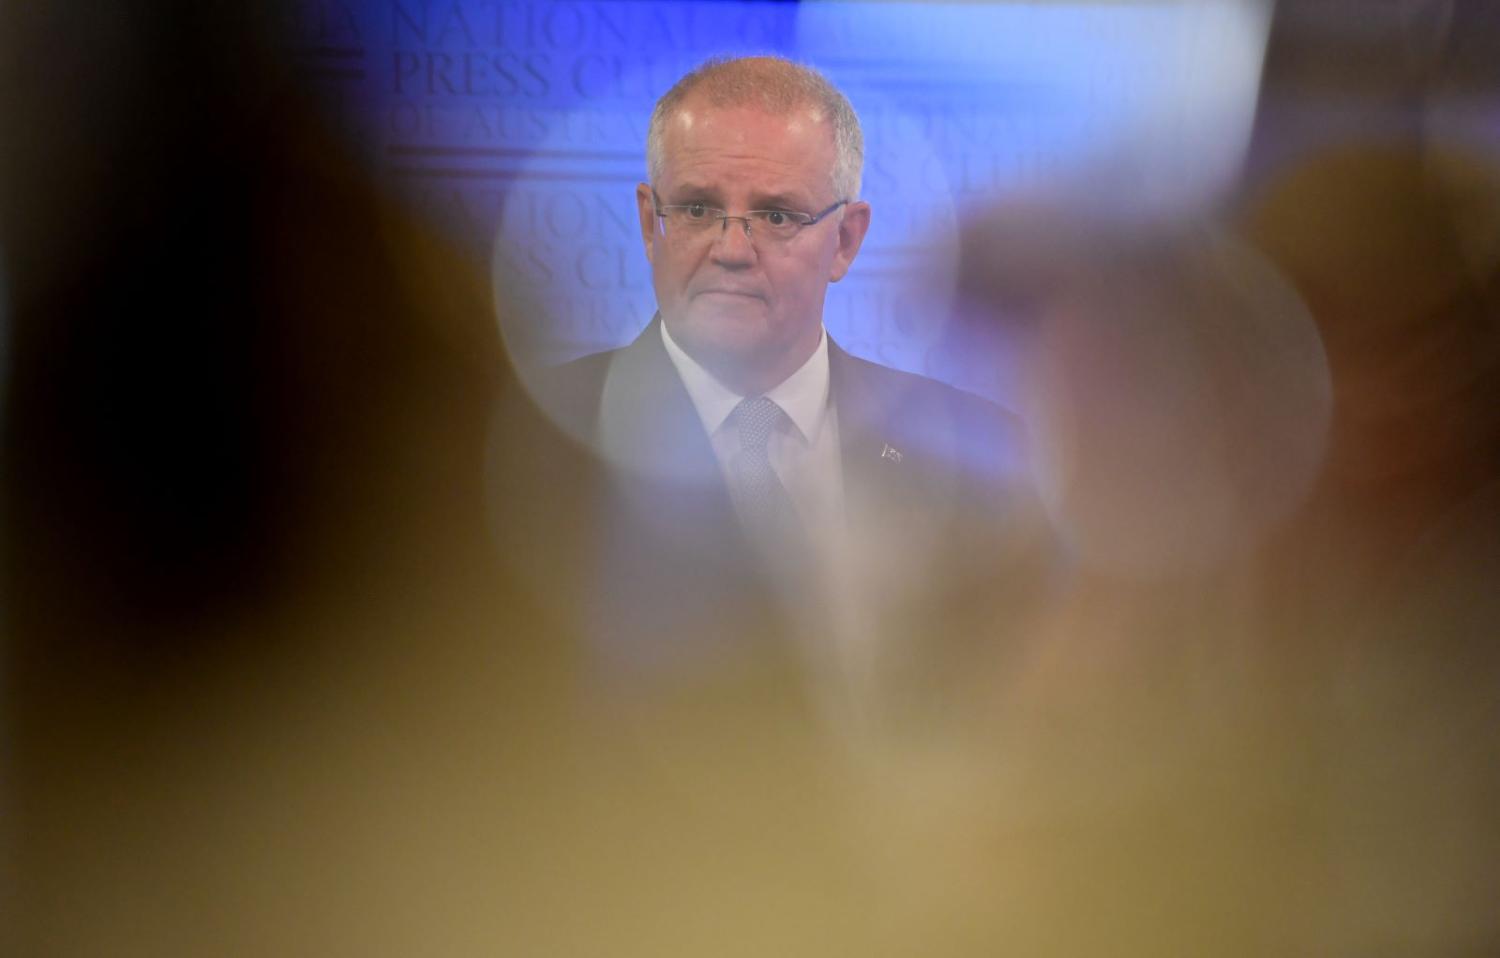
[803,395]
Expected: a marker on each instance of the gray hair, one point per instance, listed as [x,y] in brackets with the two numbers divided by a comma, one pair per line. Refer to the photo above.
[777,86]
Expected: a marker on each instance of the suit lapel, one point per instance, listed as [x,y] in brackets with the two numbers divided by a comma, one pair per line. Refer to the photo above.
[651,434]
[684,587]
[877,474]
[647,422]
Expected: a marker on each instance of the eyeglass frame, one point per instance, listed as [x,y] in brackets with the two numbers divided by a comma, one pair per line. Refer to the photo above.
[724,216]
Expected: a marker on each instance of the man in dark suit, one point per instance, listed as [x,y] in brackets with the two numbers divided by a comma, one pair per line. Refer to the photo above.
[762,480]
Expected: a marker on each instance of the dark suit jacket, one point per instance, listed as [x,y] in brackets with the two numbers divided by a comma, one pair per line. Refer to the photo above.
[933,476]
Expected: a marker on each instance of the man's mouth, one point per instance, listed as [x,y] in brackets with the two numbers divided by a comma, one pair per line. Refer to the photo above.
[726,291]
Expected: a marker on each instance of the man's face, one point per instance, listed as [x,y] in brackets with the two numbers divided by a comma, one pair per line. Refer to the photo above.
[748,308]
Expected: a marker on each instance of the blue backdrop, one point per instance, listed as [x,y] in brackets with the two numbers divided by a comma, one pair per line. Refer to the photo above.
[520,126]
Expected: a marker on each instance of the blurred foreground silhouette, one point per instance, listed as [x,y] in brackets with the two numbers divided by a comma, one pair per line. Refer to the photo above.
[277,680]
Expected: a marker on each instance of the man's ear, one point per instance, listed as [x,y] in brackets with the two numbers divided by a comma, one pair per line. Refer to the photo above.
[852,228]
[645,206]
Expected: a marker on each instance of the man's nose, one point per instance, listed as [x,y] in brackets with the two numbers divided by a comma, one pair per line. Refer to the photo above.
[733,246]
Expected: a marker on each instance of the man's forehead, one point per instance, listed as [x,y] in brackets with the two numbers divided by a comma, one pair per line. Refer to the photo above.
[697,113]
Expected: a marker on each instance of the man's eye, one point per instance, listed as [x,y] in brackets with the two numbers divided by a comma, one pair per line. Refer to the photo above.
[777,218]
[696,211]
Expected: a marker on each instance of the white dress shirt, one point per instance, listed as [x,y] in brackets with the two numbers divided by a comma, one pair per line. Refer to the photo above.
[805,452]
[807,458]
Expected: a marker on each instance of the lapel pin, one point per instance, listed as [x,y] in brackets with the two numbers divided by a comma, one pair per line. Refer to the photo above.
[891,452]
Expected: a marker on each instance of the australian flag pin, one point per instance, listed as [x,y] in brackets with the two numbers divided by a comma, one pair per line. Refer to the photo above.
[890,452]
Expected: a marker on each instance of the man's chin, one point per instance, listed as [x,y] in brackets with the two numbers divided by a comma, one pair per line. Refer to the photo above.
[737,330]
[729,315]
[726,340]
[723,301]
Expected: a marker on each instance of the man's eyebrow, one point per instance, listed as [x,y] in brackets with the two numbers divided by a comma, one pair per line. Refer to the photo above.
[779,201]
[760,201]
[692,189]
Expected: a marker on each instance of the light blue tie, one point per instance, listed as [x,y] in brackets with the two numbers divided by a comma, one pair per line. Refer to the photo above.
[767,507]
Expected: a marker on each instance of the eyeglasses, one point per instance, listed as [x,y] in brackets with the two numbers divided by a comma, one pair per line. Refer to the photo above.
[696,219]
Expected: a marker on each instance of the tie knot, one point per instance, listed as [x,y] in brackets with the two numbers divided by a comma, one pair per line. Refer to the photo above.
[758,417]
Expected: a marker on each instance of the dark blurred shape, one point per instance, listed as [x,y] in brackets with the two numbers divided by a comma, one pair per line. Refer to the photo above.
[243,461]
[1395,249]
[232,355]
[1314,711]
[1393,245]
[1175,387]
[1380,594]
